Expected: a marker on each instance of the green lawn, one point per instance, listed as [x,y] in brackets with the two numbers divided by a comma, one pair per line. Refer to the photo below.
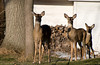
[12,60]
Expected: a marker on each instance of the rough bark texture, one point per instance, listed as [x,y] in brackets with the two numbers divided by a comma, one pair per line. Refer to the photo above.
[2,21]
[1,10]
[15,25]
[29,28]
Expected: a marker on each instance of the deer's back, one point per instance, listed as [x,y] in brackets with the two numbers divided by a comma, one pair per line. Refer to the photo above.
[46,32]
[77,35]
[81,33]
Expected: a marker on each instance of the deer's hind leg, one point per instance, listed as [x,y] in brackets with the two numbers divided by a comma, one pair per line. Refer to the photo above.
[42,51]
[88,51]
[43,48]
[92,50]
[48,49]
[49,53]
[81,47]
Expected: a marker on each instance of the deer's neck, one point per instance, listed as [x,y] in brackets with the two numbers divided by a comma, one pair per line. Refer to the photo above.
[70,26]
[89,34]
[37,26]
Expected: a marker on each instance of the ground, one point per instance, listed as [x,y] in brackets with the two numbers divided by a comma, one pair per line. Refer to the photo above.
[12,58]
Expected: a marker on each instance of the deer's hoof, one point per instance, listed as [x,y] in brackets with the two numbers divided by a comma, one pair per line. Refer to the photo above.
[49,61]
[39,62]
[75,59]
[33,62]
[70,59]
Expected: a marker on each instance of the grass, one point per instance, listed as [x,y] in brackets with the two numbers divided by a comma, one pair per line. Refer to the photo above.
[12,60]
[95,61]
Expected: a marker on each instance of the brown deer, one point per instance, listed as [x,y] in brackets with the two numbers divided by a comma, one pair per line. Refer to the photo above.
[41,35]
[75,35]
[89,38]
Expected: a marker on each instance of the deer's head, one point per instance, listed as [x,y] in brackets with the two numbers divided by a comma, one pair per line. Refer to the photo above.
[38,16]
[70,19]
[89,28]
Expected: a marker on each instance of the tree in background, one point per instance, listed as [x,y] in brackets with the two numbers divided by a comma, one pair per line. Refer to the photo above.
[15,25]
[2,21]
[1,10]
[19,27]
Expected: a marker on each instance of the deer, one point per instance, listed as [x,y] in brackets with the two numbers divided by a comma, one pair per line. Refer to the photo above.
[89,39]
[75,35]
[41,36]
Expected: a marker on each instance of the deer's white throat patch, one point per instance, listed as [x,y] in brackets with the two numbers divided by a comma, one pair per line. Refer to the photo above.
[88,33]
[37,22]
[69,25]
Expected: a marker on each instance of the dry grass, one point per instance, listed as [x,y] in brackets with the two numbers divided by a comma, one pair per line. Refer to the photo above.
[4,51]
[22,59]
[19,57]
[10,57]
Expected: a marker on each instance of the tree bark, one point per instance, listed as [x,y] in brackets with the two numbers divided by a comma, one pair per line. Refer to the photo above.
[29,29]
[2,21]
[1,11]
[15,25]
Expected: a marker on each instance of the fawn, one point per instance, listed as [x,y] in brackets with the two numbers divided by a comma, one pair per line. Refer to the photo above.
[42,36]
[89,38]
[75,35]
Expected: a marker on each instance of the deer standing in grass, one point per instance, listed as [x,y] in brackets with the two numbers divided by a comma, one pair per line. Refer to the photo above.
[89,38]
[41,35]
[75,35]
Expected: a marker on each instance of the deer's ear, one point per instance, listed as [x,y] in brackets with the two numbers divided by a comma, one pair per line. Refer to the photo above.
[86,25]
[93,26]
[43,13]
[66,16]
[74,16]
[33,13]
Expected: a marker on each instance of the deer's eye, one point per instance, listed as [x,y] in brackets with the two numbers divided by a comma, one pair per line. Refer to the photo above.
[70,19]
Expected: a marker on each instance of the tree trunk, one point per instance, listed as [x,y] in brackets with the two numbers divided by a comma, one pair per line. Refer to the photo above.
[2,21]
[29,29]
[15,25]
[1,11]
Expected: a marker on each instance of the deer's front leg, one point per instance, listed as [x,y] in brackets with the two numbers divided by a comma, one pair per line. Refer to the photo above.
[35,51]
[40,50]
[71,51]
[75,49]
